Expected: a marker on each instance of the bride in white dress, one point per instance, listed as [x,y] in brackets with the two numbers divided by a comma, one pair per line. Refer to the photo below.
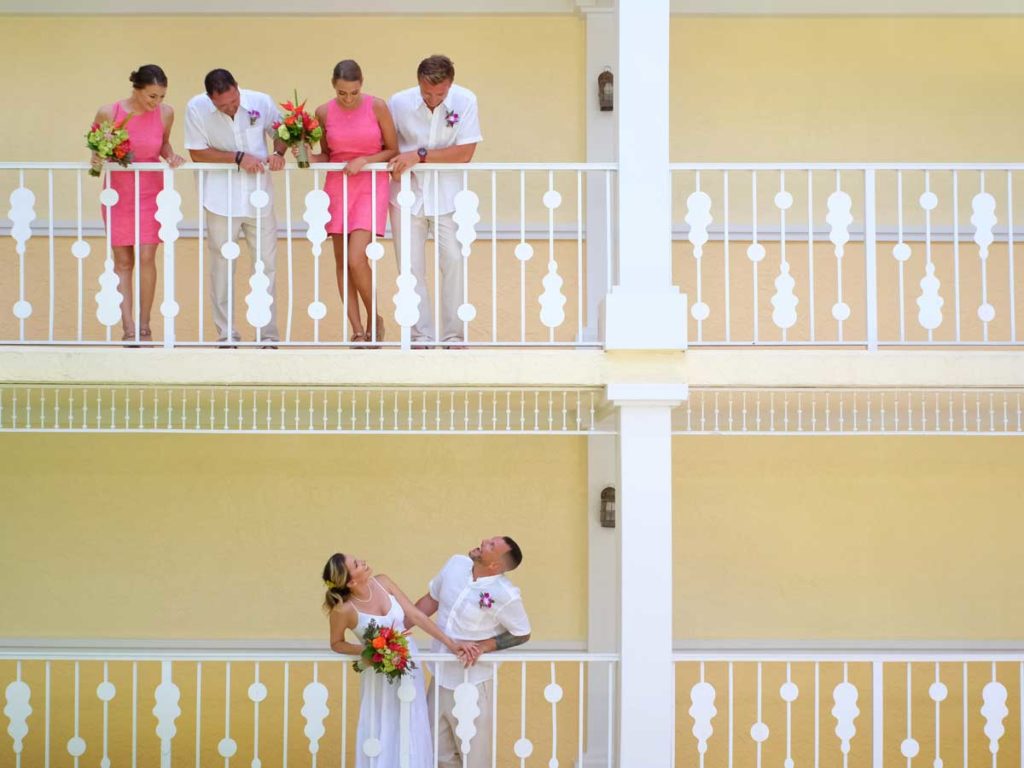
[355,597]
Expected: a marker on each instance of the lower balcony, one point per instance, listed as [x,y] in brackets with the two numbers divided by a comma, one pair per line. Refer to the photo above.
[123,705]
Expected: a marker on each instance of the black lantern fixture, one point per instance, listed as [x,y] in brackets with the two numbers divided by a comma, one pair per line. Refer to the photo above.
[606,90]
[608,507]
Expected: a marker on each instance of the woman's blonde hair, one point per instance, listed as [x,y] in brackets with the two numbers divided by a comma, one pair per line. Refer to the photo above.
[336,581]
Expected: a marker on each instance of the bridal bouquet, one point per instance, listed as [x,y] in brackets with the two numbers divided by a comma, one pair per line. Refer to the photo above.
[298,127]
[109,141]
[385,651]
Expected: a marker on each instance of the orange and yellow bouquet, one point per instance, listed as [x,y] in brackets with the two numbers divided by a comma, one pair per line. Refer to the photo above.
[386,652]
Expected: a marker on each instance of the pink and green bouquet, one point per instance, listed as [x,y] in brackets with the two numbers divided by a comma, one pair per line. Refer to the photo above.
[109,141]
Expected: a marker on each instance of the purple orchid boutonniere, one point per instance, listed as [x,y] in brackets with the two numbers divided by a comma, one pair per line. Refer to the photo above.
[486,601]
[451,117]
[254,115]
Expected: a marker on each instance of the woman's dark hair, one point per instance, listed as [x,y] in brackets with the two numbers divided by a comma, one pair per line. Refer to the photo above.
[148,74]
[347,70]
[436,69]
[218,81]
[336,580]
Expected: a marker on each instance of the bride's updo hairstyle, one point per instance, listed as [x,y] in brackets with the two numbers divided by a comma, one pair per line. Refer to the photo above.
[336,581]
[148,74]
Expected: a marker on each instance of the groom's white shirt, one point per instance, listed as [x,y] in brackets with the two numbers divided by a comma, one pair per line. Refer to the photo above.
[474,609]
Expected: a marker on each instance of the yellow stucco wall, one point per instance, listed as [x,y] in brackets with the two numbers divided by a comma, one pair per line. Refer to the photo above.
[884,539]
[910,89]
[225,536]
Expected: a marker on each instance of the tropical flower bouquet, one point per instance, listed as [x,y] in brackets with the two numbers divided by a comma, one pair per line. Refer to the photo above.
[298,128]
[109,141]
[386,652]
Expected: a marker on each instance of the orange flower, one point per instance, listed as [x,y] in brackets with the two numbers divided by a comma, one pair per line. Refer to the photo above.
[379,642]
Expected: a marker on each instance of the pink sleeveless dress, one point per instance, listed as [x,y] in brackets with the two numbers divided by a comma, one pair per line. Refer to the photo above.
[146,131]
[355,133]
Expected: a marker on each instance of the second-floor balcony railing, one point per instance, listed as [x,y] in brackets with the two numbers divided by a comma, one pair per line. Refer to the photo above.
[825,255]
[520,230]
[848,254]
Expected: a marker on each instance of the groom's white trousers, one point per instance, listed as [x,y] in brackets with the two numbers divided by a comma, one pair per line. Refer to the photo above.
[449,749]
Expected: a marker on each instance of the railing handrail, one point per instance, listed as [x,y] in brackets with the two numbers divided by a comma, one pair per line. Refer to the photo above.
[158,654]
[190,166]
[844,166]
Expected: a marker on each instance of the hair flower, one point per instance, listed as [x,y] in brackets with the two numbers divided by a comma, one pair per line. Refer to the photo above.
[486,601]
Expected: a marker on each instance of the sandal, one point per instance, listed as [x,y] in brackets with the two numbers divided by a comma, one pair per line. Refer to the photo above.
[357,339]
[145,334]
[380,331]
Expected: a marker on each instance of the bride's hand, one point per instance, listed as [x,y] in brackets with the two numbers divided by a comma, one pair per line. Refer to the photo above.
[467,652]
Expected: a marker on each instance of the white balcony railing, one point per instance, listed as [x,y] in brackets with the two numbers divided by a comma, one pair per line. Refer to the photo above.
[525,253]
[849,708]
[134,707]
[848,254]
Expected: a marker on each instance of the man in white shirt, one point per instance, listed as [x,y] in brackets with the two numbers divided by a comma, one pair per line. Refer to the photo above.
[474,601]
[229,125]
[437,122]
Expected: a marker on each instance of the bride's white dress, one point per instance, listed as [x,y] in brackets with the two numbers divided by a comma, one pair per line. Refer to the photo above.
[379,738]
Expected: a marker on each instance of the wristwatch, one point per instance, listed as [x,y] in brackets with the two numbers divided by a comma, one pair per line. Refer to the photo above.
[278,153]
[422,152]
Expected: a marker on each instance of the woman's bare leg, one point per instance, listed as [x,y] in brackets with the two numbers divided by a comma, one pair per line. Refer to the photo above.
[345,288]
[124,263]
[361,274]
[147,286]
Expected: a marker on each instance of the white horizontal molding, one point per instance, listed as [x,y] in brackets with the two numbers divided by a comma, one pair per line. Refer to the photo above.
[488,7]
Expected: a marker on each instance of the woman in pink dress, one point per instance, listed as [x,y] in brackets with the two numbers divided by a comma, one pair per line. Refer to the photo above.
[358,129]
[149,130]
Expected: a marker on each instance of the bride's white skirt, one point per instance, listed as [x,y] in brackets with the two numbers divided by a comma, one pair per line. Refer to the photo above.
[384,709]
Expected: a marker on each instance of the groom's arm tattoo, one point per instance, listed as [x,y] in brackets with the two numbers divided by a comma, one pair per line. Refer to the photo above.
[507,640]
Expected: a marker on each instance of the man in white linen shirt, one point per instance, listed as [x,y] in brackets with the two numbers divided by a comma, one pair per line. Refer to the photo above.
[474,601]
[437,122]
[229,125]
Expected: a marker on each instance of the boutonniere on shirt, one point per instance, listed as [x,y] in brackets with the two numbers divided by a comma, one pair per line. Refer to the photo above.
[486,601]
[254,115]
[451,117]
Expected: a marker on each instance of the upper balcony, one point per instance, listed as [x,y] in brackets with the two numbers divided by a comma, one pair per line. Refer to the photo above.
[864,256]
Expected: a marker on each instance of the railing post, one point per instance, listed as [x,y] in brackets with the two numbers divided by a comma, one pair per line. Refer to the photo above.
[871,259]
[877,713]
[168,214]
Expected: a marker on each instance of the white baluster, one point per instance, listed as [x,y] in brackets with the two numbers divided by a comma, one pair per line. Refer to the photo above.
[698,219]
[929,303]
[789,693]
[167,711]
[523,747]
[755,251]
[553,694]
[257,693]
[910,747]
[105,692]
[22,214]
[759,731]
[983,217]
[406,299]
[466,216]
[227,747]
[76,744]
[845,711]
[994,710]
[784,301]
[839,219]
[17,711]
[259,299]
[702,710]
[317,215]
[168,213]
[314,711]
[937,692]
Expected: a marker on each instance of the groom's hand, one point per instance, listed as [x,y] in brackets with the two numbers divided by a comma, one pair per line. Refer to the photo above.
[468,653]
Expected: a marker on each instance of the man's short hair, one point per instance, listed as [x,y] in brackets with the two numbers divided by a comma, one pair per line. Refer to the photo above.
[514,554]
[218,81]
[436,69]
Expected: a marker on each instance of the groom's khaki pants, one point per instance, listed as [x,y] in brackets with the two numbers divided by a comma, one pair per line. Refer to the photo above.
[449,749]
[218,233]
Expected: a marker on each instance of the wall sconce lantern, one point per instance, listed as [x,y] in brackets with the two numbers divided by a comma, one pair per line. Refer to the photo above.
[608,507]
[606,90]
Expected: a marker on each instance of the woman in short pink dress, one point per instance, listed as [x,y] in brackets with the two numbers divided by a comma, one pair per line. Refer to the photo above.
[358,129]
[149,130]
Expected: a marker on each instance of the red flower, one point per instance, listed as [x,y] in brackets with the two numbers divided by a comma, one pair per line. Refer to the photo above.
[314,124]
[276,125]
[288,106]
[400,663]
[377,658]
[290,120]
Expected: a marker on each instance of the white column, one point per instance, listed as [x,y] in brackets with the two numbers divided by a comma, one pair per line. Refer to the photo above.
[644,310]
[602,591]
[646,679]
[602,52]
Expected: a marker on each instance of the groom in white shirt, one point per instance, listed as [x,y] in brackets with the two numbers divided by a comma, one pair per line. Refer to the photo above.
[474,601]
[437,122]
